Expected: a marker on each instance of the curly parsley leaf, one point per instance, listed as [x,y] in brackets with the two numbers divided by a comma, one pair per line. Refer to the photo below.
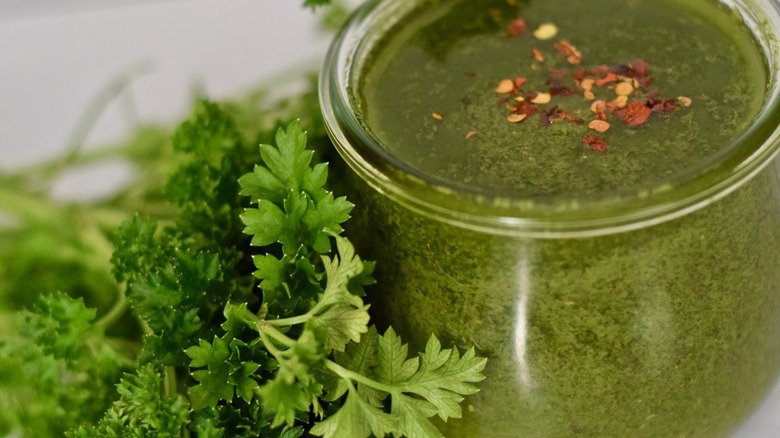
[226,373]
[60,324]
[141,411]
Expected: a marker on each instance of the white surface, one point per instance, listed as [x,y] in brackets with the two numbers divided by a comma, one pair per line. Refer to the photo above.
[55,55]
[53,64]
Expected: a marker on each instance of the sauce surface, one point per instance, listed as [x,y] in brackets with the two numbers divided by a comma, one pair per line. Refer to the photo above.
[430,95]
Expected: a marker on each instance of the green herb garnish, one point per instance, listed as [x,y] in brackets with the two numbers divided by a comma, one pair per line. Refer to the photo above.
[249,314]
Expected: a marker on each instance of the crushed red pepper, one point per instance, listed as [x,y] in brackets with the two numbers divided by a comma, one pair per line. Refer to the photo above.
[516,27]
[573,56]
[628,83]
[599,107]
[595,142]
[661,106]
[549,116]
[525,108]
[607,79]
[634,113]
[558,87]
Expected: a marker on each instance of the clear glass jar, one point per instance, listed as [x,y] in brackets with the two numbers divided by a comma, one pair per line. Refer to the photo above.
[645,314]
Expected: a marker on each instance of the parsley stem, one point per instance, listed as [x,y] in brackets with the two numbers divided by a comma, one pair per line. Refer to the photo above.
[169,380]
[284,322]
[266,329]
[351,375]
[120,307]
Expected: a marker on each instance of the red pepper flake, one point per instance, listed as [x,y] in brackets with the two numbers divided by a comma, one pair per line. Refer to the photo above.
[525,108]
[516,27]
[607,79]
[645,81]
[622,70]
[595,142]
[546,116]
[470,134]
[637,70]
[661,106]
[601,70]
[640,67]
[599,107]
[557,73]
[549,116]
[562,91]
[538,55]
[579,75]
[567,116]
[635,113]
[520,81]
[558,87]
[569,51]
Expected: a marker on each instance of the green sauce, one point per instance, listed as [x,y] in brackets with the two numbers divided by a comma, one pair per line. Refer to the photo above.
[448,57]
[672,330]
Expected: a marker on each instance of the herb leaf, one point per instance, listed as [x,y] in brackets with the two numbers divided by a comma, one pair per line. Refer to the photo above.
[357,419]
[141,410]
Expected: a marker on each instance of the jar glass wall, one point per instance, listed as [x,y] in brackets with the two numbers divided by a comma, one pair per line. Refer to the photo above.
[647,313]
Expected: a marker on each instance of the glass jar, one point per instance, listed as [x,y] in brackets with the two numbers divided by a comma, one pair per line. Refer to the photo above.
[650,313]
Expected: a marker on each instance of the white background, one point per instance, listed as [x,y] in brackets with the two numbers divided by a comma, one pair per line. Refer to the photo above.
[56,55]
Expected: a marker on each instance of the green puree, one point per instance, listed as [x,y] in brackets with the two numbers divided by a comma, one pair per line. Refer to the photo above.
[672,330]
[449,57]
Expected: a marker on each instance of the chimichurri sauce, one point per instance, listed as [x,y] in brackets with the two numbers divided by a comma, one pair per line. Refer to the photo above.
[430,91]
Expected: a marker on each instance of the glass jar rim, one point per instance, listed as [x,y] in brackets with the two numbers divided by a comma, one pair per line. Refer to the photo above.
[556,216]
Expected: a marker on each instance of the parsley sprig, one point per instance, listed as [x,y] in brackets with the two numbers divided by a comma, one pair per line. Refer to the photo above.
[295,212]
[237,312]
